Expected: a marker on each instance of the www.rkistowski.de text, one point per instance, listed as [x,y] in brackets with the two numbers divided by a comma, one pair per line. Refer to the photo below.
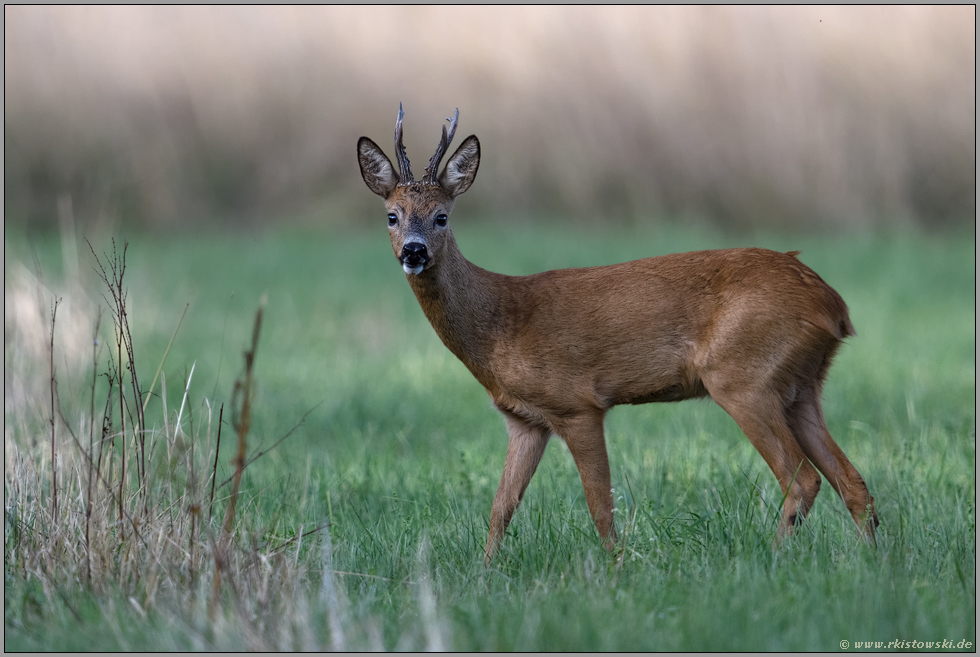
[902,644]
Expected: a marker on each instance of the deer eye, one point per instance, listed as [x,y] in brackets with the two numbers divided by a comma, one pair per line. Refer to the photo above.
[392,219]
[441,220]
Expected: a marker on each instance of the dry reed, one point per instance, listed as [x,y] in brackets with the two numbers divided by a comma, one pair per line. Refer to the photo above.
[798,117]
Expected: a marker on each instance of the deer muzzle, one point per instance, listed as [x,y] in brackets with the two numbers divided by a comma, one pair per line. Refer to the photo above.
[413,258]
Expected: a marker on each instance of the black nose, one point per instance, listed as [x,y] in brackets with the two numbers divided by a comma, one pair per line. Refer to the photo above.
[414,254]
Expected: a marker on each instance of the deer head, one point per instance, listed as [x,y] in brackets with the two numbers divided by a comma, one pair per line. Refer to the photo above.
[418,211]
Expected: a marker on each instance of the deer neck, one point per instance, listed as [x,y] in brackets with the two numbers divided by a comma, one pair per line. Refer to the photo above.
[461,302]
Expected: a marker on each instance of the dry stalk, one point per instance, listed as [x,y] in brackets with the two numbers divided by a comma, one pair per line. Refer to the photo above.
[91,447]
[242,390]
[255,457]
[113,278]
[54,468]
[214,472]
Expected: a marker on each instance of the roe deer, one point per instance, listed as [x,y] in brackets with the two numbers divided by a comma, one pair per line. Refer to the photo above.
[754,329]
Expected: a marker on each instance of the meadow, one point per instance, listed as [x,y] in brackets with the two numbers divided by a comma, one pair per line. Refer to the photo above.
[364,527]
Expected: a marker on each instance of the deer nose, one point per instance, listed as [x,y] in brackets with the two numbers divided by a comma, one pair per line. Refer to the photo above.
[414,254]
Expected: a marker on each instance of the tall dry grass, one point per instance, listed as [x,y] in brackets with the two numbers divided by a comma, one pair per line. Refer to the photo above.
[129,503]
[819,117]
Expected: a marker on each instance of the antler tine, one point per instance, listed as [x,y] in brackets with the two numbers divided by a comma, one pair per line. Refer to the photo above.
[404,168]
[432,171]
[453,122]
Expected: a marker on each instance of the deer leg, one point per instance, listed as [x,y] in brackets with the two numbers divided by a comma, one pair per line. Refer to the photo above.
[586,441]
[524,451]
[806,421]
[761,418]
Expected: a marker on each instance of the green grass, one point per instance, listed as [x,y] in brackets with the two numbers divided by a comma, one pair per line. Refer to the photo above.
[403,453]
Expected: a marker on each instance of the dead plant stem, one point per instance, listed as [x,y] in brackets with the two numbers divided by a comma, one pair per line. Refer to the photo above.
[54,468]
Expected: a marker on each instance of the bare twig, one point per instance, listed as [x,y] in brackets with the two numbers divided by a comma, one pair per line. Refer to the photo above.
[214,472]
[137,394]
[298,537]
[244,422]
[263,452]
[243,387]
[113,279]
[91,446]
[54,469]
[106,430]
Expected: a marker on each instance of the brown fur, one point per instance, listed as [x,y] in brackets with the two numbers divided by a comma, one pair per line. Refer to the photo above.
[753,329]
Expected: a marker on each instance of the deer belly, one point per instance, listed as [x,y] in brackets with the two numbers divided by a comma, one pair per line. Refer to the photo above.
[647,387]
[676,392]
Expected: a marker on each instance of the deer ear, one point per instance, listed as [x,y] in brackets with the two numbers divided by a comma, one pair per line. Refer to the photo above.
[460,171]
[376,169]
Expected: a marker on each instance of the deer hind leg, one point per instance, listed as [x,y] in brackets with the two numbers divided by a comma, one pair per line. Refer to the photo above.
[806,421]
[524,450]
[587,442]
[760,416]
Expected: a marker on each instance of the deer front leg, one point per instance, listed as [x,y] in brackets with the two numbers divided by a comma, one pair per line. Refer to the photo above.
[524,451]
[587,442]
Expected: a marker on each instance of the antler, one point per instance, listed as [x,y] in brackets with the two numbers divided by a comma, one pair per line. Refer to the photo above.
[432,171]
[404,168]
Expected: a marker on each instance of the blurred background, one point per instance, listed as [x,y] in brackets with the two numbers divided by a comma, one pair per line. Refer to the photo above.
[820,118]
